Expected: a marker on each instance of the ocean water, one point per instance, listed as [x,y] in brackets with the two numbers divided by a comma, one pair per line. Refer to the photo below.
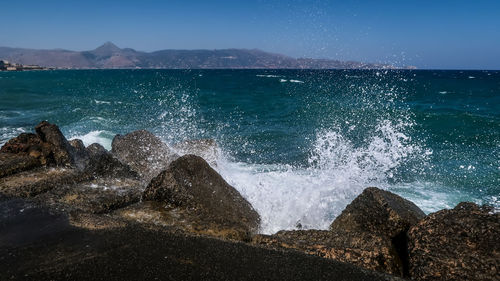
[299,145]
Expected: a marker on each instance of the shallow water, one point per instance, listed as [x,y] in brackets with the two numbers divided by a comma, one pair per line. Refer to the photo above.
[299,145]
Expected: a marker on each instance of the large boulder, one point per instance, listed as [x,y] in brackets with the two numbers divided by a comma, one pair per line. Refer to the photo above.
[144,152]
[190,183]
[384,216]
[458,244]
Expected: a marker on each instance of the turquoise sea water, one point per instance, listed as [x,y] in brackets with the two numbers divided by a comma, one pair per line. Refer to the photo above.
[299,145]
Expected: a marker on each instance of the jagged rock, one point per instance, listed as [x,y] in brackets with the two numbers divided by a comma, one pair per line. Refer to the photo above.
[11,163]
[48,145]
[385,215]
[190,183]
[144,152]
[205,148]
[378,211]
[80,153]
[103,163]
[61,150]
[458,244]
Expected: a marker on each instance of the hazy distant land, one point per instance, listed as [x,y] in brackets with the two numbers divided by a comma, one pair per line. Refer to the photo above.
[109,56]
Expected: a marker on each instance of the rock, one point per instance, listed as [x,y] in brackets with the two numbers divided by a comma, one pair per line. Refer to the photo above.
[103,164]
[384,216]
[458,244]
[11,163]
[190,183]
[363,249]
[97,196]
[205,148]
[80,153]
[370,232]
[61,150]
[39,244]
[380,212]
[48,145]
[33,182]
[144,152]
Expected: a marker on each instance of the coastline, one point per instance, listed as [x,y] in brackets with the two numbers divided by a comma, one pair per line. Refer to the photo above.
[125,209]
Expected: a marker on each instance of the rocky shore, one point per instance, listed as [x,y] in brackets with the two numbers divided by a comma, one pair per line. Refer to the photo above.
[142,211]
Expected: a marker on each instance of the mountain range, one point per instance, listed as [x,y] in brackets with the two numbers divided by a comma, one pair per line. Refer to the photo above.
[109,56]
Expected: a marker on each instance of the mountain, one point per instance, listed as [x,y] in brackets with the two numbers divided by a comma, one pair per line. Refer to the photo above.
[110,56]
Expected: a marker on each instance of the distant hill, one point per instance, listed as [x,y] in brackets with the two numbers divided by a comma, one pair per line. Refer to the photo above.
[109,56]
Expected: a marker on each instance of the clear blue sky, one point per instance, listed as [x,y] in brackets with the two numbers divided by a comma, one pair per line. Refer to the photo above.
[428,34]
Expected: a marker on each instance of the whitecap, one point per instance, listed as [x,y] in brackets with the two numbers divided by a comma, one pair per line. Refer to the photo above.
[296,81]
[102,102]
[103,138]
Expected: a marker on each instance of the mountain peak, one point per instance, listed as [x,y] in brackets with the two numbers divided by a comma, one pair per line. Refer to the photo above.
[106,49]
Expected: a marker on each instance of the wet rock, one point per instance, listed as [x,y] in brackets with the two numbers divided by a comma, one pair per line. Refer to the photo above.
[190,183]
[11,163]
[144,152]
[103,164]
[205,148]
[384,216]
[61,150]
[80,153]
[96,196]
[378,211]
[48,145]
[458,244]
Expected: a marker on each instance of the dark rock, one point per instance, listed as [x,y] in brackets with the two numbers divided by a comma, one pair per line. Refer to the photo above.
[386,216]
[103,164]
[205,148]
[33,182]
[11,163]
[458,244]
[80,153]
[49,146]
[144,152]
[38,244]
[363,249]
[61,150]
[190,183]
[378,211]
[96,196]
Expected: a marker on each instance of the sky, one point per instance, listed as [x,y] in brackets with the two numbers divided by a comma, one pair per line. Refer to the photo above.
[428,34]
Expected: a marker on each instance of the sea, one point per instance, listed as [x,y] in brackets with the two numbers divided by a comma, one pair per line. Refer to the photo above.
[299,145]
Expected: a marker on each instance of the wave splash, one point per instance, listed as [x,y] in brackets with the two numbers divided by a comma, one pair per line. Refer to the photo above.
[290,197]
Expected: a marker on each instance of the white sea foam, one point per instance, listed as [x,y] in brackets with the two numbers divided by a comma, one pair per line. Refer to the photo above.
[269,76]
[296,81]
[103,138]
[102,102]
[337,172]
[283,80]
